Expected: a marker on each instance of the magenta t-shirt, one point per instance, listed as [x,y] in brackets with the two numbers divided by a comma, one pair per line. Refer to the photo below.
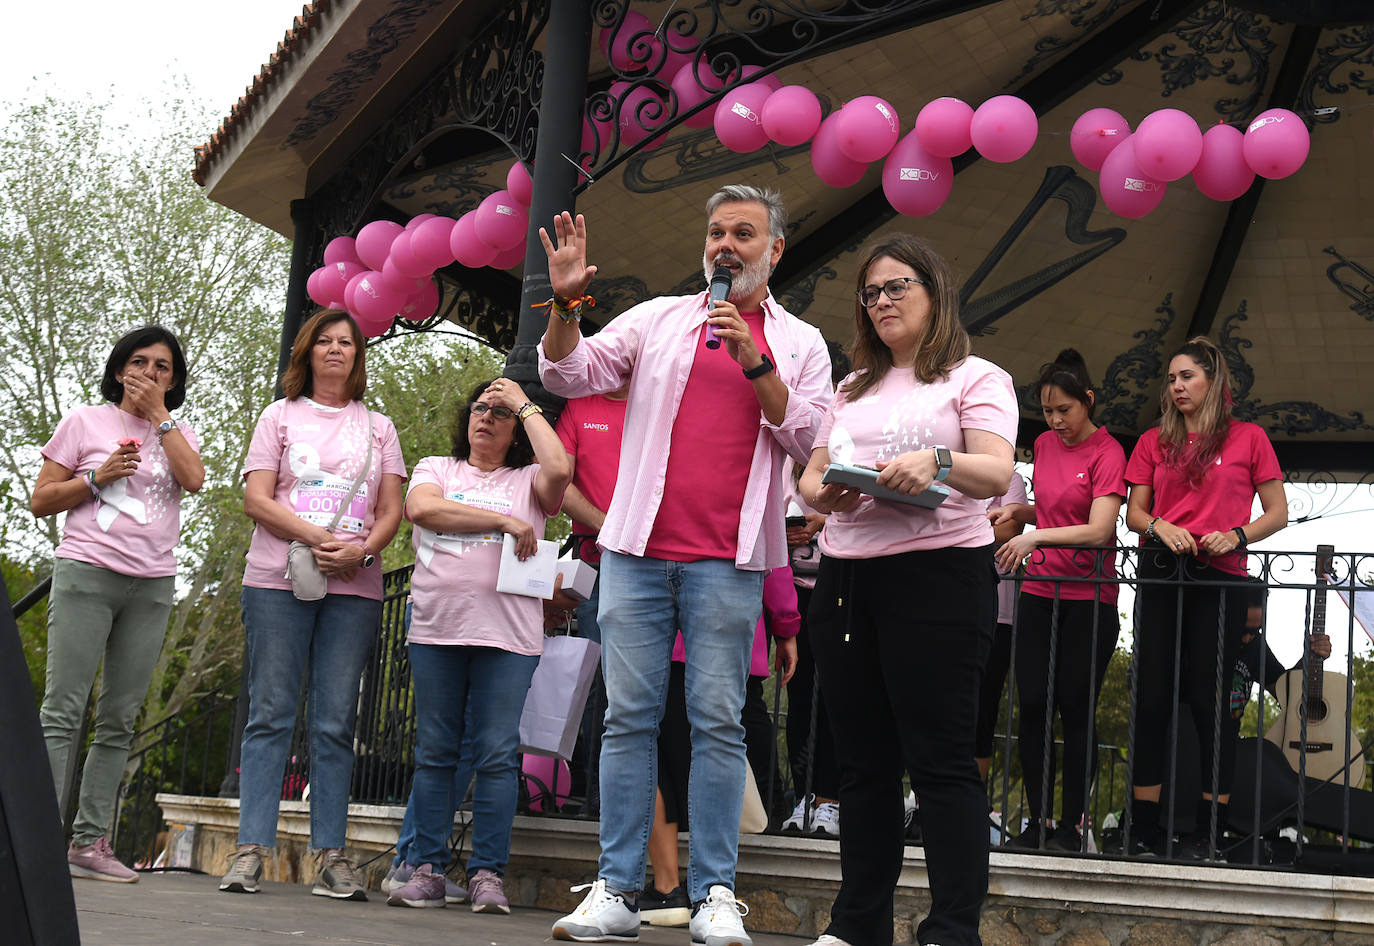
[1067,480]
[1006,586]
[317,452]
[714,435]
[901,414]
[1226,495]
[133,528]
[453,588]
[590,428]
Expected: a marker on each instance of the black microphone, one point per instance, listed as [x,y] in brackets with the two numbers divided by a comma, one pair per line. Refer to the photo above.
[720,291]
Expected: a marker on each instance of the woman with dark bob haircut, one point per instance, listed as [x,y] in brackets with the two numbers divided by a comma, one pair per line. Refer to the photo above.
[309,450]
[118,470]
[905,605]
[473,649]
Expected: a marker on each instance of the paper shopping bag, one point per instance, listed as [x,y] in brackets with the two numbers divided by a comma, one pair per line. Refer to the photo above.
[558,695]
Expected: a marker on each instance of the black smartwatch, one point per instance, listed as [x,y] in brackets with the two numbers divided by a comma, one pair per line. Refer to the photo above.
[760,369]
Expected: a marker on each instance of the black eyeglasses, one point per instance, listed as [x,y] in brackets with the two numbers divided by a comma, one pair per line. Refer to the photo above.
[894,289]
[500,413]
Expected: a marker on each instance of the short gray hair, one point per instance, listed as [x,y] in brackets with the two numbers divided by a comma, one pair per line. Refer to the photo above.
[745,193]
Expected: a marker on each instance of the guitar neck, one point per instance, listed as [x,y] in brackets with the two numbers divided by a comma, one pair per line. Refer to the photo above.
[1316,665]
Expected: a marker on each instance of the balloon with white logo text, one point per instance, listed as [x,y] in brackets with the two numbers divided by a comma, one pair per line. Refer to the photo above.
[916,182]
[1004,129]
[1276,143]
[520,184]
[1221,172]
[421,304]
[1095,135]
[333,281]
[500,220]
[867,128]
[468,248]
[1126,189]
[739,118]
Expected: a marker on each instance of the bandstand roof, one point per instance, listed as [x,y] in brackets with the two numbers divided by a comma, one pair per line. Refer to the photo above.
[371,108]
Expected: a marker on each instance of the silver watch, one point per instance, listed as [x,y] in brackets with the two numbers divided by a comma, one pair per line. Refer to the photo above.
[166,427]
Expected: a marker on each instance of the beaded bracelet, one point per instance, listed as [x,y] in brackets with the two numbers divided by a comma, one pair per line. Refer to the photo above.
[569,310]
[1150,530]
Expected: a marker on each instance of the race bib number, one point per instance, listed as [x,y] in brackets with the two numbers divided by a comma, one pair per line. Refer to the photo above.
[319,496]
[493,504]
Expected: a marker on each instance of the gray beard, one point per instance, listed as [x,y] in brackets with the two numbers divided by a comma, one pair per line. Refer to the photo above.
[752,278]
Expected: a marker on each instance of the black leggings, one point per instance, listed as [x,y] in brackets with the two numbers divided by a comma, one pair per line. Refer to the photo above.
[990,696]
[1195,629]
[817,773]
[1082,643]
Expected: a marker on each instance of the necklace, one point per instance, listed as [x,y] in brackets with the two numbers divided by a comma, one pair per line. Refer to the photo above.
[126,429]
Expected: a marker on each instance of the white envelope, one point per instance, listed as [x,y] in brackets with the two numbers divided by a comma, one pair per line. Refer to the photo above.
[533,577]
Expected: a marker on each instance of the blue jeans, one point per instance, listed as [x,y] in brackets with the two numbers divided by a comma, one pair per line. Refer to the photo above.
[462,779]
[644,601]
[334,636]
[454,684]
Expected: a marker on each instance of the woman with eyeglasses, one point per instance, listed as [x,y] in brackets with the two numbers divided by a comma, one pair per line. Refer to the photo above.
[904,608]
[473,649]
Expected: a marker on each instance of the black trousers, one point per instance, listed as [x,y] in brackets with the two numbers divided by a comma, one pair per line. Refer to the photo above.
[1196,630]
[901,642]
[1082,640]
[990,695]
[814,771]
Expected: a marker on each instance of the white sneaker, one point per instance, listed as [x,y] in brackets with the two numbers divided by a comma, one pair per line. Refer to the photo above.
[797,823]
[716,921]
[827,940]
[908,808]
[602,917]
[825,820]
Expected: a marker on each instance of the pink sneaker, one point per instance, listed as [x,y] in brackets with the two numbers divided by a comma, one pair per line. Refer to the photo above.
[487,894]
[97,861]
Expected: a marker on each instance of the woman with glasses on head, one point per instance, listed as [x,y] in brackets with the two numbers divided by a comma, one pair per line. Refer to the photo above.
[1194,480]
[308,453]
[118,470]
[1079,487]
[473,649]
[904,607]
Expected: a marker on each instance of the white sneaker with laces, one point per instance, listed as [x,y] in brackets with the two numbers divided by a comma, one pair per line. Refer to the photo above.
[717,920]
[797,823]
[827,940]
[601,917]
[825,820]
[909,808]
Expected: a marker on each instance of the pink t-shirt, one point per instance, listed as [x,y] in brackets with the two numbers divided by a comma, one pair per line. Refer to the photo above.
[1226,495]
[316,452]
[1006,587]
[134,526]
[1067,480]
[901,414]
[590,428]
[453,587]
[715,431]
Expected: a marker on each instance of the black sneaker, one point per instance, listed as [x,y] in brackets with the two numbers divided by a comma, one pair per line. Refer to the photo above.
[1140,846]
[664,909]
[1196,847]
[1033,838]
[1065,838]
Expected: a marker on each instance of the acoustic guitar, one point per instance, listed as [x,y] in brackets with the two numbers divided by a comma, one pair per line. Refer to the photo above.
[1324,707]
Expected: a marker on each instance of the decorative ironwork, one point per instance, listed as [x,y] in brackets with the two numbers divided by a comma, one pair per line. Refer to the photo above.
[452,190]
[1363,293]
[484,320]
[1352,49]
[1215,38]
[1289,417]
[1321,495]
[1132,377]
[1083,15]
[799,296]
[699,157]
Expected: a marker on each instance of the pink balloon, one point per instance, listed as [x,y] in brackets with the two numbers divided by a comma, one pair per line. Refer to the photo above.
[642,111]
[509,258]
[673,58]
[739,121]
[867,129]
[313,290]
[404,260]
[791,115]
[1168,144]
[943,127]
[1276,143]
[374,242]
[1126,189]
[417,220]
[1221,173]
[547,781]
[421,304]
[831,164]
[771,80]
[334,281]
[467,248]
[519,183]
[429,243]
[626,47]
[1004,129]
[916,182]
[374,299]
[500,221]
[398,280]
[1096,133]
[372,327]
[350,295]
[690,92]
[341,250]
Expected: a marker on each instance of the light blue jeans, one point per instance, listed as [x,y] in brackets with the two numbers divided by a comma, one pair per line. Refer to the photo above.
[334,636]
[644,601]
[455,684]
